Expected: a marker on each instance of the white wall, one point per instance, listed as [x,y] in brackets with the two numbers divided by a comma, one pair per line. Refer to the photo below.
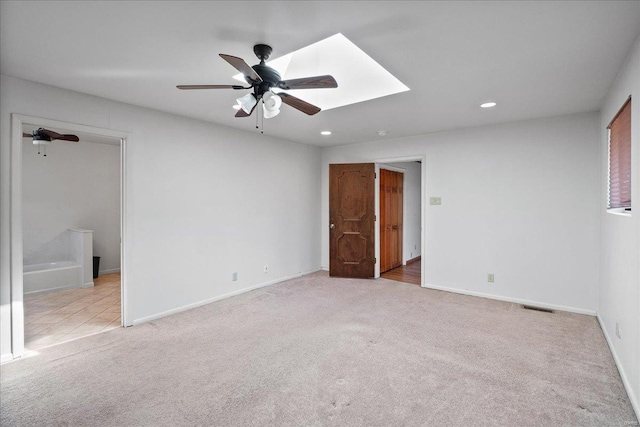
[74,186]
[202,201]
[519,200]
[619,300]
[412,209]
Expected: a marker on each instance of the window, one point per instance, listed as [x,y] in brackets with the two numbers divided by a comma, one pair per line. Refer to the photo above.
[620,159]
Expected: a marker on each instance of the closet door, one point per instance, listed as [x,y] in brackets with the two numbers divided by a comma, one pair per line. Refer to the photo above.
[391,200]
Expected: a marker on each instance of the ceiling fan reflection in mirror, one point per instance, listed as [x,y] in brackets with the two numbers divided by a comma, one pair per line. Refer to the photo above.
[43,137]
[262,79]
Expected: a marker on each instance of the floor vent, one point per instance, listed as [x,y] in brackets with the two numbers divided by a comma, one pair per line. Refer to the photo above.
[531,307]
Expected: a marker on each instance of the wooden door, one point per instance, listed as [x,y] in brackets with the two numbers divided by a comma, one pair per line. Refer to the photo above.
[391,201]
[352,220]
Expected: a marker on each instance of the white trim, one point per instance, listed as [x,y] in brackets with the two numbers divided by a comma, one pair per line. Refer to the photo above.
[125,304]
[392,168]
[218,298]
[15,243]
[623,375]
[514,300]
[619,211]
[108,271]
[6,358]
[15,216]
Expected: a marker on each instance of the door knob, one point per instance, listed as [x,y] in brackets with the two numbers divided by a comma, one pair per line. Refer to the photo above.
[332,226]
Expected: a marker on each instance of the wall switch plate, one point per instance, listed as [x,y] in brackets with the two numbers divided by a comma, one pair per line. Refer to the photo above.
[234,276]
[435,201]
[266,269]
[490,277]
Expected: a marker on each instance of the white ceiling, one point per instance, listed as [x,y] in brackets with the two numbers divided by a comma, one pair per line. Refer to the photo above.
[535,59]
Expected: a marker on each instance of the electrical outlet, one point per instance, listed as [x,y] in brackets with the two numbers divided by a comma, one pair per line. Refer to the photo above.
[435,201]
[266,269]
[618,330]
[490,277]
[234,276]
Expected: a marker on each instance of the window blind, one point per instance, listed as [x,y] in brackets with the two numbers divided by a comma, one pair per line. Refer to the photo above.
[620,158]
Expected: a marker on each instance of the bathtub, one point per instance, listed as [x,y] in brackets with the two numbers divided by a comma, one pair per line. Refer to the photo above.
[52,276]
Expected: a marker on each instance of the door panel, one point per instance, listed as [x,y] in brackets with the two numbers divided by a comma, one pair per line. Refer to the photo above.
[391,200]
[352,220]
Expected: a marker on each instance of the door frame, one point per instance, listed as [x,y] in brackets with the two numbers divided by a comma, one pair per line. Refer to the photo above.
[382,162]
[15,219]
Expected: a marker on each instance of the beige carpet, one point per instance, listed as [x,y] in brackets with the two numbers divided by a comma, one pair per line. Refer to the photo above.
[317,351]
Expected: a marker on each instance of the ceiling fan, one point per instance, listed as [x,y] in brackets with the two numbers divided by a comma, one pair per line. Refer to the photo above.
[262,79]
[44,137]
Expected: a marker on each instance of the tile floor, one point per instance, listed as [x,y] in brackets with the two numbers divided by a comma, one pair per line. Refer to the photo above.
[57,317]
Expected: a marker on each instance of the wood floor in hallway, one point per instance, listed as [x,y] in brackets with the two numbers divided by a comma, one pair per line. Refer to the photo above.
[409,273]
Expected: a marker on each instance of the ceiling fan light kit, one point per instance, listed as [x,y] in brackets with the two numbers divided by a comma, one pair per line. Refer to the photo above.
[247,102]
[271,104]
[262,79]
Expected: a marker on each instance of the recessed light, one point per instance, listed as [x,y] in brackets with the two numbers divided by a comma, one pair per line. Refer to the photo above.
[325,132]
[382,132]
[488,105]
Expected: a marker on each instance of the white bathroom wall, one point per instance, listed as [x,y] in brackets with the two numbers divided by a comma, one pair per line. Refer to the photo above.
[202,201]
[412,209]
[519,200]
[619,302]
[77,185]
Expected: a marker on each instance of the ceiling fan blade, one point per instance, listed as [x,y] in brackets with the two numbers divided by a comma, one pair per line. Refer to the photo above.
[72,138]
[26,135]
[243,67]
[187,87]
[242,113]
[49,133]
[299,104]
[55,135]
[317,82]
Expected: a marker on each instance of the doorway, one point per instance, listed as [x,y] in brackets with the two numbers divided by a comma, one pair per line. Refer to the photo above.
[353,196]
[401,221]
[114,291]
[71,236]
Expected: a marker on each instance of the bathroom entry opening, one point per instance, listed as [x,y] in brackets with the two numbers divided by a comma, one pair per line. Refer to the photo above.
[37,212]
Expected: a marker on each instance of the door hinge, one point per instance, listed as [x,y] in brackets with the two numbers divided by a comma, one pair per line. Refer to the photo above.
[375,218]
[375,175]
[375,260]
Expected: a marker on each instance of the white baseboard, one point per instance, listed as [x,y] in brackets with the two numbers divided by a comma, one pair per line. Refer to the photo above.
[87,285]
[6,358]
[514,300]
[218,298]
[625,381]
[111,270]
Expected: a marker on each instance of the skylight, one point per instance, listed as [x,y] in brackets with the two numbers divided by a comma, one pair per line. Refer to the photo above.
[359,77]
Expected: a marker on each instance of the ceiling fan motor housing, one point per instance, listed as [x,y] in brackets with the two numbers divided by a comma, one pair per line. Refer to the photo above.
[269,76]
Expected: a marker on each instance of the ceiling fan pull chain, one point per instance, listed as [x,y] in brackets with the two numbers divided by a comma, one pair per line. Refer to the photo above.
[45,150]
